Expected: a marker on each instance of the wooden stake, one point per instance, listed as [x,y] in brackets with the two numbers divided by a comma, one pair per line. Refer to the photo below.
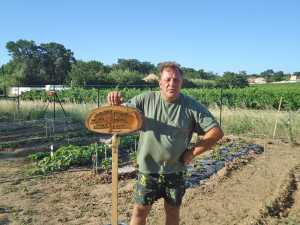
[275,126]
[114,214]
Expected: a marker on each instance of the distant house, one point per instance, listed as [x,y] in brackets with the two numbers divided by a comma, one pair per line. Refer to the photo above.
[50,87]
[260,80]
[16,91]
[295,77]
[251,80]
[256,80]
[151,78]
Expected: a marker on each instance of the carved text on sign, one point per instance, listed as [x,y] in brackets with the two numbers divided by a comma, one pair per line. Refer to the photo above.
[114,119]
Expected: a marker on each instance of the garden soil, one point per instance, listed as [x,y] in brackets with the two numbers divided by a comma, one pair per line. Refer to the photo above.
[259,190]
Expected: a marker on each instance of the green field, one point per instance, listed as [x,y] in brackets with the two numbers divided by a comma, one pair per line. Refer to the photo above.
[251,111]
[254,97]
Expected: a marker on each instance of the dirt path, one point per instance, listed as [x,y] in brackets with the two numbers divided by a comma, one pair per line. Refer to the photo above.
[263,191]
[240,198]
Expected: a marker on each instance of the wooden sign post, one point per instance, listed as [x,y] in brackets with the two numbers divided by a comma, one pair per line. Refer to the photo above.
[114,120]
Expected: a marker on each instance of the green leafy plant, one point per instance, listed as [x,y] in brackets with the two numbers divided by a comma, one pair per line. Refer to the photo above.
[133,158]
[65,157]
[216,154]
[106,164]
[38,156]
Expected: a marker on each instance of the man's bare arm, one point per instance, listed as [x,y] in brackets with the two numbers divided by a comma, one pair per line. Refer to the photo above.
[209,139]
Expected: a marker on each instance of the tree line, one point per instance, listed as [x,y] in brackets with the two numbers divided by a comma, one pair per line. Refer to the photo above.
[34,64]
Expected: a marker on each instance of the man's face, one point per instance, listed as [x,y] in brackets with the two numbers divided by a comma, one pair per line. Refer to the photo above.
[170,84]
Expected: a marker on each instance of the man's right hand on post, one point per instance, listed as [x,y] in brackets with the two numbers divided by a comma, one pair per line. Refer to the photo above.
[114,98]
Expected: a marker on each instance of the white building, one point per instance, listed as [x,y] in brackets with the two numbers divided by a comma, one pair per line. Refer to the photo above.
[256,80]
[50,87]
[16,91]
[151,78]
[260,80]
[295,77]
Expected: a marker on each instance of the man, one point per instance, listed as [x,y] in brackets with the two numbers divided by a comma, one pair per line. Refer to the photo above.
[170,120]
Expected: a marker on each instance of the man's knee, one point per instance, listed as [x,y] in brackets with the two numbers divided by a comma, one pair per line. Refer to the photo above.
[141,211]
[172,214]
[171,210]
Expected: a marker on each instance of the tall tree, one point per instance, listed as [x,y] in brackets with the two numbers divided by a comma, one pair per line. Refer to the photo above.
[134,65]
[279,76]
[92,72]
[296,73]
[190,73]
[26,55]
[41,64]
[232,80]
[56,62]
[126,77]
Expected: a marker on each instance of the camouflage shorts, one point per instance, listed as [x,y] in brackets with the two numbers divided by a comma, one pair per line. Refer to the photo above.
[150,187]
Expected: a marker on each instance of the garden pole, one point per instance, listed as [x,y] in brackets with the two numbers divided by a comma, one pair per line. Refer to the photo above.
[221,106]
[58,100]
[96,159]
[18,99]
[98,99]
[275,126]
[114,213]
[54,98]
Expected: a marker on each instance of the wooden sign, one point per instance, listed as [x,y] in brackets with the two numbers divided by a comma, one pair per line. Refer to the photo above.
[114,120]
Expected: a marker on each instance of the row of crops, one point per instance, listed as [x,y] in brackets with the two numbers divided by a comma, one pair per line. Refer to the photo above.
[72,155]
[254,97]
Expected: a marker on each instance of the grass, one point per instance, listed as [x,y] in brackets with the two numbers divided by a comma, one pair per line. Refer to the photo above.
[260,122]
[33,110]
[234,121]
[27,110]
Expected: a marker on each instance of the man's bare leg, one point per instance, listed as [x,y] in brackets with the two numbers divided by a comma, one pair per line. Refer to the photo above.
[139,214]
[172,214]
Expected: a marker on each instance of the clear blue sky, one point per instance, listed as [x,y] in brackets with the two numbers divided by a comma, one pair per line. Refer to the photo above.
[218,36]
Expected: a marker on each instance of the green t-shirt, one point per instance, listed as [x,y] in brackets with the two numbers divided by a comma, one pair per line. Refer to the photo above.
[167,130]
